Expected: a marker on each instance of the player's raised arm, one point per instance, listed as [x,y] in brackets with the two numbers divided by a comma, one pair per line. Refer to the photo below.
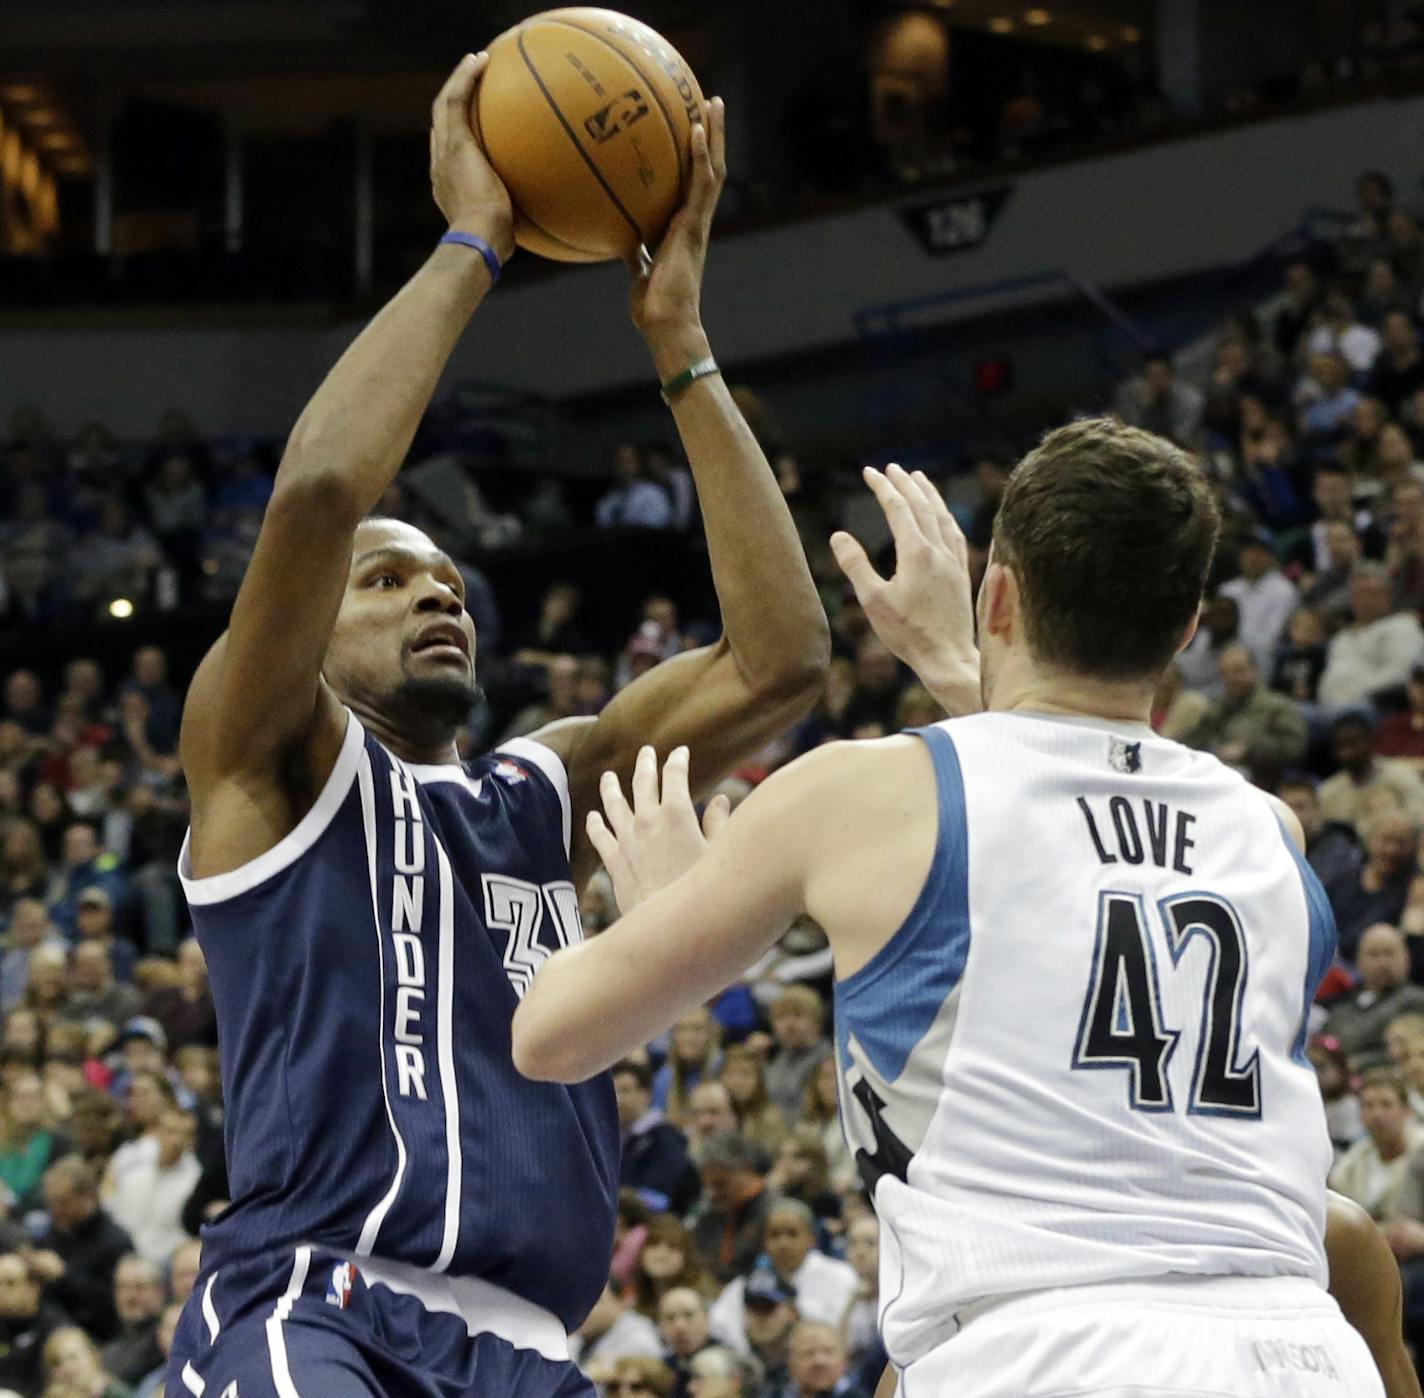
[259,693]
[1364,1280]
[729,699]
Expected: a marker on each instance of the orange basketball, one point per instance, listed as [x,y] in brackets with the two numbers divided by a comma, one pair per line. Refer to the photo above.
[587,116]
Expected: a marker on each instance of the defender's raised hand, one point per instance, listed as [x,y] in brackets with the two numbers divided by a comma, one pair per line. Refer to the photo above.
[667,296]
[924,613]
[645,847]
[470,195]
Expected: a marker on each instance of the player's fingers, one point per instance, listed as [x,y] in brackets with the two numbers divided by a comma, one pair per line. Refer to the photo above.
[949,528]
[717,814]
[702,193]
[645,782]
[615,804]
[605,846]
[453,99]
[676,793]
[917,500]
[716,119]
[855,563]
[898,514]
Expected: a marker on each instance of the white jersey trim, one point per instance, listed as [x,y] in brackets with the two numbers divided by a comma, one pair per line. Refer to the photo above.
[191,1381]
[210,1311]
[445,1054]
[377,1216]
[552,765]
[276,1341]
[218,888]
[485,1308]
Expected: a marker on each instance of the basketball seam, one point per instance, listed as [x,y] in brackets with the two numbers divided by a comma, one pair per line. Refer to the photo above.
[682,169]
[538,227]
[578,146]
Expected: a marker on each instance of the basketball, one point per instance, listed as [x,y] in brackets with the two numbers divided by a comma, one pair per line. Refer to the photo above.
[587,117]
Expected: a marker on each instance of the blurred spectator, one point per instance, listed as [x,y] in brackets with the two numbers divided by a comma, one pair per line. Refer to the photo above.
[1198,663]
[761,1328]
[823,1286]
[612,1331]
[76,1257]
[185,1010]
[803,1172]
[709,1113]
[74,1369]
[1398,370]
[818,1364]
[1374,1172]
[95,996]
[1365,779]
[1341,333]
[94,924]
[1331,847]
[762,1122]
[1301,301]
[655,1159]
[693,1055]
[26,1323]
[1342,1105]
[1175,709]
[1159,402]
[1400,734]
[736,1206]
[1378,892]
[668,1261]
[24,703]
[797,1021]
[639,1377]
[1358,1022]
[1250,726]
[115,559]
[138,1302]
[165,704]
[1301,659]
[683,1324]
[29,1139]
[1264,597]
[183,1268]
[1326,401]
[1378,651]
[148,1193]
[85,865]
[151,1385]
[820,1113]
[29,928]
[637,501]
[718,1372]
[859,1323]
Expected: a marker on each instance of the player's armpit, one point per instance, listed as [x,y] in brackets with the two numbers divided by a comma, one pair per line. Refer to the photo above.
[1364,1279]
[703,700]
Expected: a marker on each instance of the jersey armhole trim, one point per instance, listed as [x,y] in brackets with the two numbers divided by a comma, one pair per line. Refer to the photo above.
[552,766]
[219,888]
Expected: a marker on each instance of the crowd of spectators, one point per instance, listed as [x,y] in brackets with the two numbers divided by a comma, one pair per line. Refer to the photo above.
[745,1261]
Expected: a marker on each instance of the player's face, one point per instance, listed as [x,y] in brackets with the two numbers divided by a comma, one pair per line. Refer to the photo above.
[403,644]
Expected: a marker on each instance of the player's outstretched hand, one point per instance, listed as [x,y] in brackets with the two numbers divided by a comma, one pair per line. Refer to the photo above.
[924,613]
[647,846]
[667,295]
[471,196]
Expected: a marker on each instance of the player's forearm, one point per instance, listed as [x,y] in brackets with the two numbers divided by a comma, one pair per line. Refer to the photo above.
[354,434]
[771,614]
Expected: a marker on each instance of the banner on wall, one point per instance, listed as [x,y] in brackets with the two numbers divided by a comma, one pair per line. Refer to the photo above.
[956,222]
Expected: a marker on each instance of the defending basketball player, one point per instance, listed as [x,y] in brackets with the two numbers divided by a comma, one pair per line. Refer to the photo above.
[1073,967]
[371,909]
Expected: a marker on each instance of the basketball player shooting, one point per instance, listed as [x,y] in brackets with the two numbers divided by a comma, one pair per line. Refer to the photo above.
[1074,963]
[405,1205]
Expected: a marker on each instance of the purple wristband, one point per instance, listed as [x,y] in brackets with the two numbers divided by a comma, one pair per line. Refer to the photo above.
[471,240]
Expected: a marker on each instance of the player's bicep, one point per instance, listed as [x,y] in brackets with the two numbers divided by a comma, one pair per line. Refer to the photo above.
[259,689]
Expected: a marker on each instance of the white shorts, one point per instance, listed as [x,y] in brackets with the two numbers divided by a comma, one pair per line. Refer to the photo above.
[1209,1337]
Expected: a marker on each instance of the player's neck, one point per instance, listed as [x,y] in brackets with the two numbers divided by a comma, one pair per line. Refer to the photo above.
[433,749]
[1030,690]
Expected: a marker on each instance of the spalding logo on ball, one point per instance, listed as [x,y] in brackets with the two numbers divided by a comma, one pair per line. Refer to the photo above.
[587,117]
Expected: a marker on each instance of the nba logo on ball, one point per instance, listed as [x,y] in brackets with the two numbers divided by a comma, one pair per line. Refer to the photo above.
[617,116]
[1124,756]
[338,1289]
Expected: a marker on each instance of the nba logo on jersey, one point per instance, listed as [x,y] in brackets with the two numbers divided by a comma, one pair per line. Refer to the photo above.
[510,772]
[338,1289]
[1124,756]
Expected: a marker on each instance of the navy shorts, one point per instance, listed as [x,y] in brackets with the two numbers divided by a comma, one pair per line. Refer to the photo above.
[305,1323]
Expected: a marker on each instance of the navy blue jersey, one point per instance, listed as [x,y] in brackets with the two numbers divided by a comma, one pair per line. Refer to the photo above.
[365,971]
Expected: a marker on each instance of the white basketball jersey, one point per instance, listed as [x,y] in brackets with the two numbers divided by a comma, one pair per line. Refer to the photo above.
[1081,1059]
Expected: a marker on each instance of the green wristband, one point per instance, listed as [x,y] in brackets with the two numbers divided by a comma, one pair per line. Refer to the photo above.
[689,376]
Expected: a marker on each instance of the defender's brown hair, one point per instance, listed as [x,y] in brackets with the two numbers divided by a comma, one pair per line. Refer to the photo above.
[1110,531]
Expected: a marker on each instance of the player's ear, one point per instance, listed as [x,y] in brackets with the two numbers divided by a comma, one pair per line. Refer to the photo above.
[1189,635]
[1002,602]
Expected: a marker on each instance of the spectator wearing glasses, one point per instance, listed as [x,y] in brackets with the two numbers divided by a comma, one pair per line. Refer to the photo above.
[639,1378]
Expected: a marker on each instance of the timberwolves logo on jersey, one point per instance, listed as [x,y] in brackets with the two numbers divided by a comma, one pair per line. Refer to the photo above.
[1123,756]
